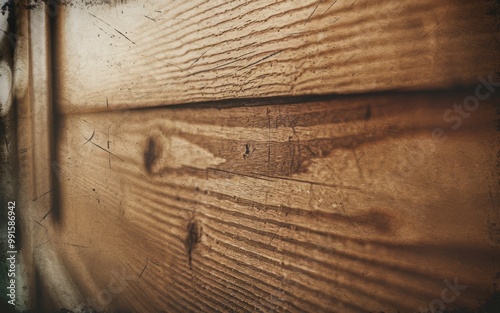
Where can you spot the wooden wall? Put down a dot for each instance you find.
(288, 156)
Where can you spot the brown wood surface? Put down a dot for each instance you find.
(152, 53)
(338, 205)
(204, 156)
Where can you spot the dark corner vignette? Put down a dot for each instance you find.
(193, 240)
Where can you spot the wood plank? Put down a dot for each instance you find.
(151, 53)
(342, 205)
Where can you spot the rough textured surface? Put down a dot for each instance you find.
(339, 205)
(151, 53)
(251, 194)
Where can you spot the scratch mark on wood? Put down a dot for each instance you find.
(119, 32)
(258, 61)
(42, 195)
(315, 8)
(433, 28)
(222, 65)
(199, 58)
(92, 136)
(109, 157)
(107, 151)
(274, 178)
(147, 260)
(358, 166)
(331, 5)
(268, 142)
(46, 215)
(111, 36)
(182, 70)
(350, 57)
(73, 245)
(40, 245)
(274, 235)
(350, 221)
(39, 223)
(154, 262)
(251, 175)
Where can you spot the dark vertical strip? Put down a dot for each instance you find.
(53, 12)
(9, 188)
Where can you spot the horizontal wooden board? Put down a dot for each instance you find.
(151, 53)
(343, 205)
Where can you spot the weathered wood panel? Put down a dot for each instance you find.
(343, 205)
(152, 53)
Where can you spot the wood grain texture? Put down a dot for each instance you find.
(152, 53)
(343, 205)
